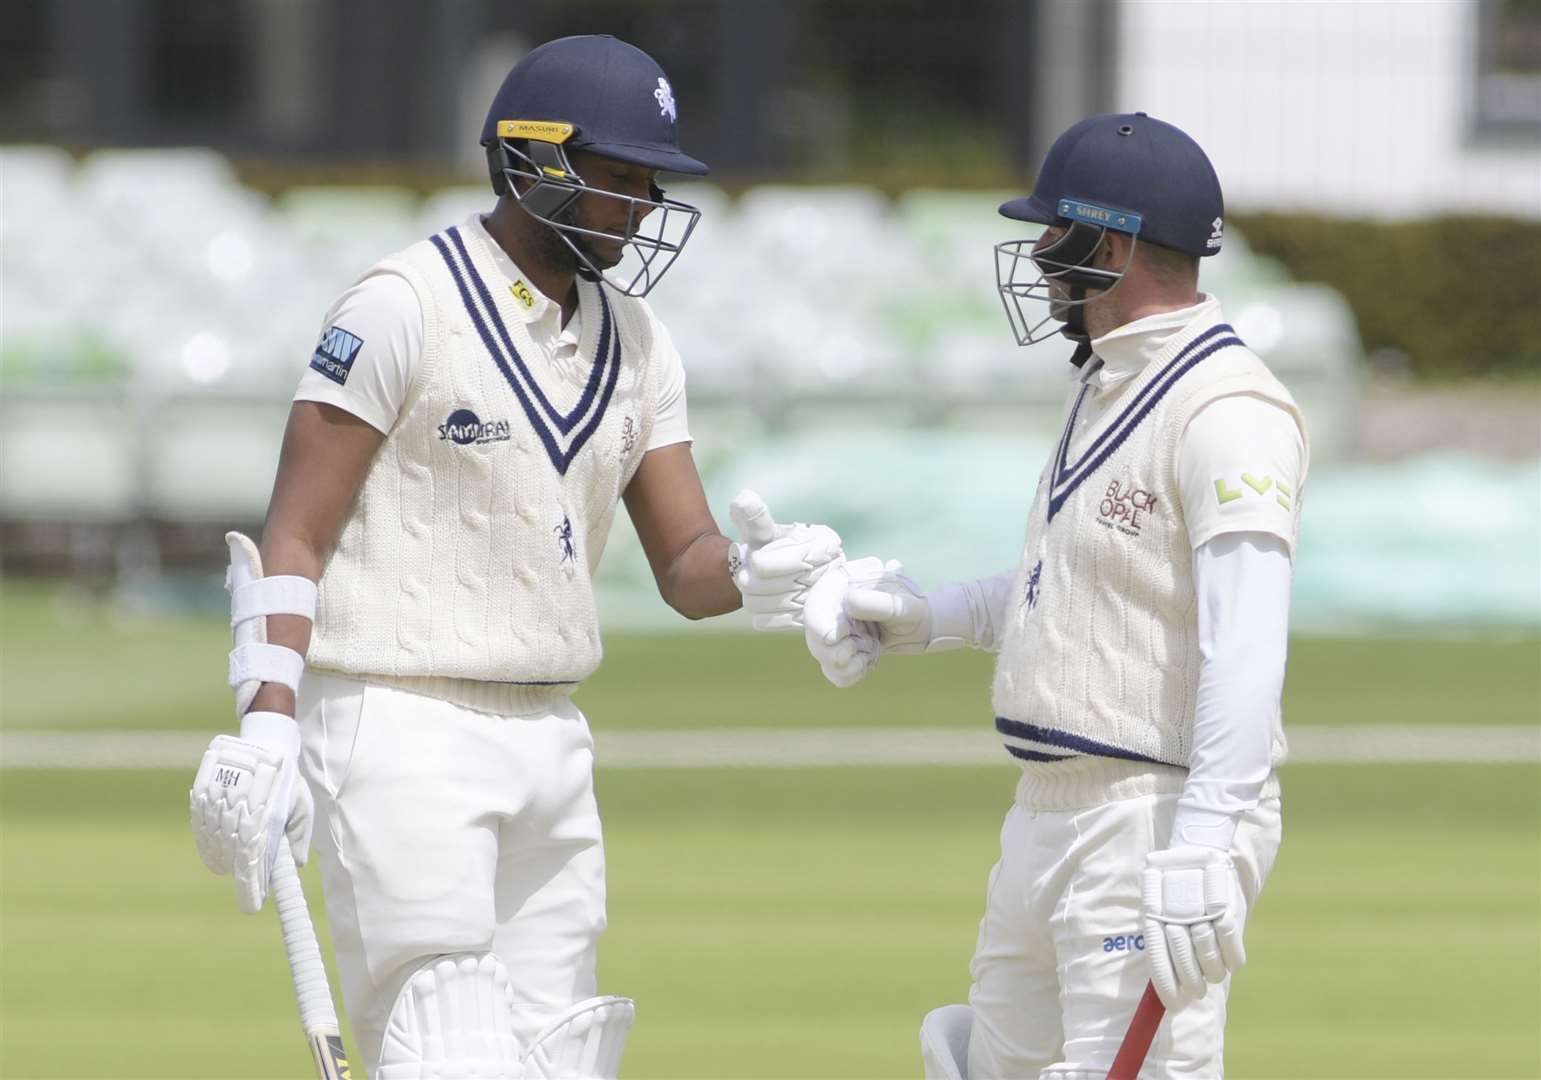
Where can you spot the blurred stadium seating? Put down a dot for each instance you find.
(162, 311)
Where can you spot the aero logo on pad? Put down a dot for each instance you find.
(334, 355)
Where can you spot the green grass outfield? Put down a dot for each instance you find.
(67, 663)
(781, 922)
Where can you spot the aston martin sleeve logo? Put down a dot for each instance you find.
(335, 353)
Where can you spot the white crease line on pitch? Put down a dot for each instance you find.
(791, 747)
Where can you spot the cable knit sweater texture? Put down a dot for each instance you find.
(1100, 654)
(463, 569)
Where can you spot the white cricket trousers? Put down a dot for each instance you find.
(1060, 962)
(441, 829)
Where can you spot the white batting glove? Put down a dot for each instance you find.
(909, 620)
(883, 611)
(775, 565)
(1191, 913)
(247, 797)
(846, 650)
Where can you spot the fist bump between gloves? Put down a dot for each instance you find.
(866, 608)
(774, 566)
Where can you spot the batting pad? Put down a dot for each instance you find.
(453, 1018)
(944, 1035)
(584, 1043)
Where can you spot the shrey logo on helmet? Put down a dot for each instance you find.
(603, 97)
(1126, 173)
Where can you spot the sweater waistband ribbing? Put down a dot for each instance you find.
(1081, 782)
(499, 699)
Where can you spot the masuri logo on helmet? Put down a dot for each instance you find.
(600, 95)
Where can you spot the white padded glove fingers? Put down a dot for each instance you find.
(246, 799)
(804, 549)
(1206, 951)
(845, 650)
(1191, 915)
(850, 660)
(775, 565)
(752, 518)
(896, 608)
(775, 579)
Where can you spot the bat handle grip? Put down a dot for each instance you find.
(1141, 1033)
(317, 1014)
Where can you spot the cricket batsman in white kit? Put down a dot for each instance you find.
(1141, 641)
(421, 609)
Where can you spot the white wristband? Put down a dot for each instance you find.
(962, 613)
(260, 662)
(272, 730)
(952, 620)
(1193, 827)
(286, 594)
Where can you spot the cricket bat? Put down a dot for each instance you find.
(1137, 1040)
(318, 1016)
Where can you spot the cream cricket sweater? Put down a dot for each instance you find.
(1100, 654)
(463, 568)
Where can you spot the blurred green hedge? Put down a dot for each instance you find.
(1460, 296)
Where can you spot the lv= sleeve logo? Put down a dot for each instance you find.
(1225, 493)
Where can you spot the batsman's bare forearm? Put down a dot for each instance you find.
(325, 456)
(698, 585)
(684, 547)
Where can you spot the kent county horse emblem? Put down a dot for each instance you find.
(664, 95)
(1030, 594)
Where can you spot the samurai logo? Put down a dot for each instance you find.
(464, 428)
(665, 98)
(564, 534)
(1030, 595)
(628, 435)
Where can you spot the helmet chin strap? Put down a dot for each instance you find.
(1075, 328)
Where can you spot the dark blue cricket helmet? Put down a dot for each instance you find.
(616, 98)
(597, 94)
(1157, 178)
(1124, 172)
